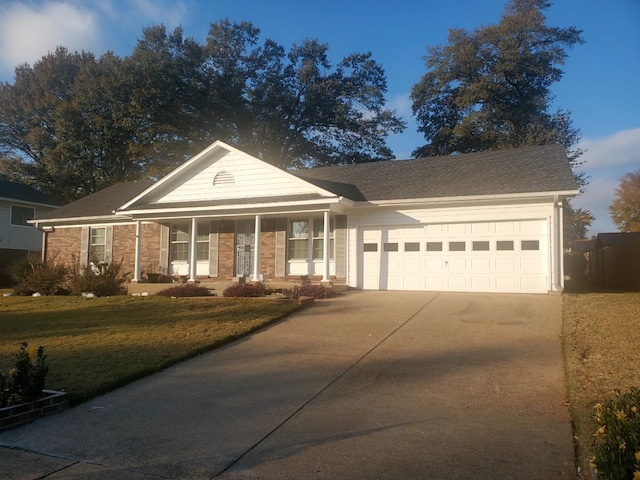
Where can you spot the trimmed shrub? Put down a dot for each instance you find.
(185, 290)
(26, 378)
(315, 291)
(617, 437)
(35, 276)
(100, 278)
(244, 290)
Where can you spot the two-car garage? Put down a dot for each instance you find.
(501, 256)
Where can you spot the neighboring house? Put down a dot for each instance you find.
(485, 222)
(19, 204)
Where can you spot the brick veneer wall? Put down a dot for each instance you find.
(64, 245)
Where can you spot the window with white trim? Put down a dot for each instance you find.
(180, 242)
(318, 238)
(97, 244)
(298, 239)
(203, 242)
(20, 215)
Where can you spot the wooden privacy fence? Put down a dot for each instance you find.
(616, 265)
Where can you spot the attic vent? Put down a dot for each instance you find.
(224, 178)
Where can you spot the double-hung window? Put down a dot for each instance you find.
(203, 242)
(299, 240)
(97, 244)
(180, 242)
(318, 238)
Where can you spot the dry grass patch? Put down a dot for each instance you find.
(601, 333)
(96, 345)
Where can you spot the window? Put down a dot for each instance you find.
(482, 246)
(299, 240)
(97, 244)
(180, 242)
(390, 247)
(412, 247)
(504, 245)
(370, 247)
(20, 215)
(434, 246)
(456, 246)
(203, 242)
(318, 238)
(530, 245)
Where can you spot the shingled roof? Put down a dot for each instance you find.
(24, 193)
(535, 169)
(527, 170)
(101, 203)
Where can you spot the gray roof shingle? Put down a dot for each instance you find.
(101, 203)
(535, 169)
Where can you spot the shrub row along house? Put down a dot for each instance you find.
(485, 222)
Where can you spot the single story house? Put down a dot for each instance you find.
(18, 238)
(482, 222)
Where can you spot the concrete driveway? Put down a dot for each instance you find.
(370, 385)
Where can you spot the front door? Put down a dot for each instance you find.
(245, 245)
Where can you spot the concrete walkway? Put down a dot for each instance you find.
(371, 385)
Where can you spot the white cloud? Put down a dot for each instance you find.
(27, 32)
(402, 105)
(621, 148)
(606, 161)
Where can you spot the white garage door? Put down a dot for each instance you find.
(476, 257)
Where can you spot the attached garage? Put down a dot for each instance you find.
(503, 256)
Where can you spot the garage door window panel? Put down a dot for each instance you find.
(504, 245)
(390, 247)
(434, 246)
(530, 245)
(480, 246)
(412, 246)
(457, 246)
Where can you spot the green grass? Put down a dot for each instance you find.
(601, 335)
(96, 345)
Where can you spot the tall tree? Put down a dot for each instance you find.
(625, 209)
(72, 124)
(491, 88)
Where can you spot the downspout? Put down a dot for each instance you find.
(560, 230)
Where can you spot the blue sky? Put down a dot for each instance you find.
(600, 86)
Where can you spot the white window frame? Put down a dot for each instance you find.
(175, 230)
(95, 245)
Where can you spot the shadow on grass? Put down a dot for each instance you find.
(579, 286)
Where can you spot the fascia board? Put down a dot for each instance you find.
(27, 202)
(235, 208)
(468, 199)
(77, 220)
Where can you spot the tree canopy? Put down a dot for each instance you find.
(490, 89)
(625, 209)
(72, 123)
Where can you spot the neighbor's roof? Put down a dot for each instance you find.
(24, 193)
(528, 170)
(535, 169)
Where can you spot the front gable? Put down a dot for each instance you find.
(223, 173)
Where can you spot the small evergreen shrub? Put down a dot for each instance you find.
(185, 290)
(617, 437)
(35, 276)
(244, 290)
(100, 278)
(26, 379)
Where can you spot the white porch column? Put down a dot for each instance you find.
(193, 250)
(325, 248)
(256, 250)
(136, 261)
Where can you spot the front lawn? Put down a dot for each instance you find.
(96, 345)
(601, 334)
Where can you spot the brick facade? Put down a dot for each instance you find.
(64, 244)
